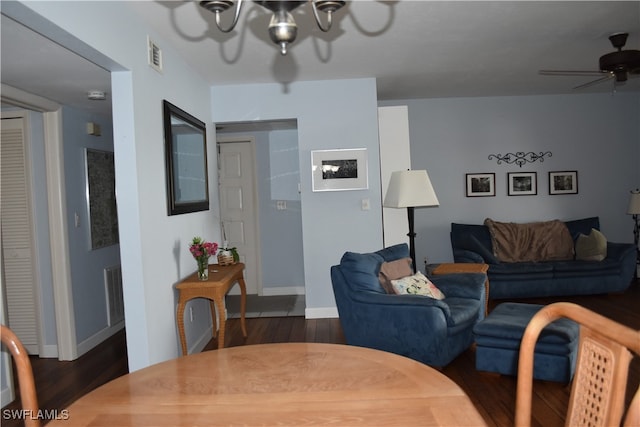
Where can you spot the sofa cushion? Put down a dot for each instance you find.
(484, 251)
(475, 238)
(417, 284)
(535, 241)
(606, 267)
(361, 271)
(392, 253)
(582, 226)
(592, 247)
(528, 268)
(393, 270)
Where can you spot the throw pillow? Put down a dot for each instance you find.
(592, 247)
(417, 284)
(394, 270)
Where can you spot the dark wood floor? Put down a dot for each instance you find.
(61, 383)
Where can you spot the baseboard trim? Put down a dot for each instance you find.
(96, 339)
(283, 290)
(201, 342)
(49, 351)
(321, 313)
(6, 395)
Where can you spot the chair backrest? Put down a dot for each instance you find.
(602, 366)
(28, 395)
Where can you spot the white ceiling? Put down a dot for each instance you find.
(36, 65)
(415, 49)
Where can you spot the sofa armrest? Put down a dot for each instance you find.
(461, 285)
(465, 255)
(619, 251)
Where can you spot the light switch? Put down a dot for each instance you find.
(366, 205)
(281, 205)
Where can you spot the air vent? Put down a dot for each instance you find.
(154, 55)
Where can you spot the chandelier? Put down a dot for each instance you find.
(282, 28)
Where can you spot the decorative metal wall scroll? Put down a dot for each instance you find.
(520, 158)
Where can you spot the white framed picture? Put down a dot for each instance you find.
(522, 183)
(481, 184)
(563, 182)
(339, 170)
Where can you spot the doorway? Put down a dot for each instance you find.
(278, 243)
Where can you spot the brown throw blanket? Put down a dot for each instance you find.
(535, 241)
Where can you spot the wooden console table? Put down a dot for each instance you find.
(463, 267)
(221, 279)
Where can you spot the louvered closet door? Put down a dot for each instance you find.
(17, 235)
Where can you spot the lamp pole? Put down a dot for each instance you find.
(634, 211)
(636, 236)
(412, 236)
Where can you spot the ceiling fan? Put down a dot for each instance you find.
(615, 65)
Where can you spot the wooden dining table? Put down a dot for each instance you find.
(289, 384)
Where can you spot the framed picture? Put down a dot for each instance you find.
(481, 184)
(564, 182)
(101, 198)
(522, 183)
(339, 170)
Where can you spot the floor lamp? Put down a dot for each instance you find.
(410, 189)
(634, 210)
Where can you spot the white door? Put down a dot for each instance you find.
(17, 235)
(238, 206)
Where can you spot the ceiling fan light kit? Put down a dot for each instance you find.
(282, 28)
(615, 65)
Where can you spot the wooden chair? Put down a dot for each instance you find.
(599, 384)
(25, 376)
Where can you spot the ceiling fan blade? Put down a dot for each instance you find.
(570, 73)
(609, 76)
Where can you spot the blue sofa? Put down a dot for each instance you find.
(428, 330)
(472, 243)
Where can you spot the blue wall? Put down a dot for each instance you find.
(281, 237)
(597, 135)
(331, 115)
(154, 247)
(87, 265)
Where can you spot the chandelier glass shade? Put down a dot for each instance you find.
(282, 28)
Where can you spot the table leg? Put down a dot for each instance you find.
(243, 304)
(180, 318)
(212, 306)
(219, 303)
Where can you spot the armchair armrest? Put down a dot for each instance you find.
(462, 285)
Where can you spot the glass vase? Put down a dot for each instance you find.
(203, 269)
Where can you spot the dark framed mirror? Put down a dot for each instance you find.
(186, 161)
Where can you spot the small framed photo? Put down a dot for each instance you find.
(564, 182)
(339, 170)
(481, 184)
(522, 183)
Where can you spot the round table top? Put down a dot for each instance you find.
(283, 384)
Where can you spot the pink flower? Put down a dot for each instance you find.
(202, 250)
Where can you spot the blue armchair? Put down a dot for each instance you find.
(425, 329)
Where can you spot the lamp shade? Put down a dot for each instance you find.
(411, 188)
(634, 203)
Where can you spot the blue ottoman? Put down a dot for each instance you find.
(498, 339)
